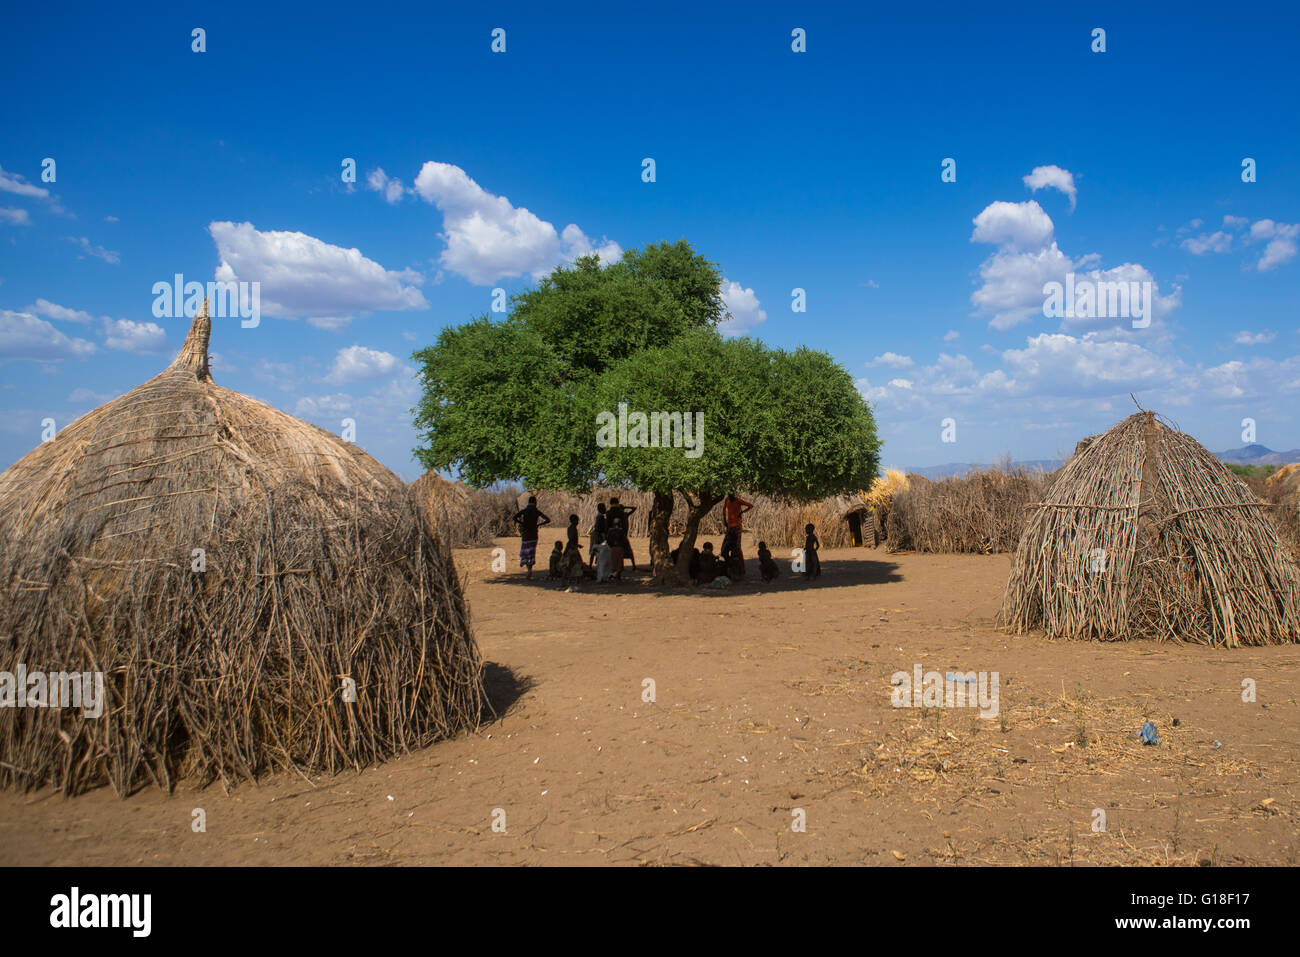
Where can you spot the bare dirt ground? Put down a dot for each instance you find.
(768, 700)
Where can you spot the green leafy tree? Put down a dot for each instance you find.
(513, 400)
(520, 399)
(791, 425)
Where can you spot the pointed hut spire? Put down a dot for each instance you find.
(193, 356)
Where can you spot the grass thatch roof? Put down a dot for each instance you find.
(1146, 534)
(461, 517)
(226, 567)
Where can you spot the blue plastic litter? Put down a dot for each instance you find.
(1148, 734)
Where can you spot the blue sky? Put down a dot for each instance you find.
(817, 170)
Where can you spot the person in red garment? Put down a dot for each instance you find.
(733, 507)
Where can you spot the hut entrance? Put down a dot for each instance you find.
(855, 528)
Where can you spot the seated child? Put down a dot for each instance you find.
(572, 563)
(812, 566)
(708, 564)
(604, 560)
(554, 571)
(734, 564)
(617, 539)
(766, 564)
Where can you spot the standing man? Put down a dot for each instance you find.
(529, 518)
(617, 516)
(733, 507)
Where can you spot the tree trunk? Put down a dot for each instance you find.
(660, 513)
(693, 518)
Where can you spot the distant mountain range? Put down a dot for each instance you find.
(1246, 455)
(1258, 455)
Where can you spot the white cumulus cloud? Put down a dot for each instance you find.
(18, 185)
(303, 276)
(359, 364)
(1012, 283)
(128, 336)
(1248, 338)
(489, 239)
(1215, 242)
(1012, 280)
(1017, 225)
(93, 249)
(24, 336)
(746, 311)
(52, 310)
(1053, 177)
(893, 360)
(379, 181)
(1280, 239)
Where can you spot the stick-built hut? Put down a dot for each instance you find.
(257, 594)
(1145, 534)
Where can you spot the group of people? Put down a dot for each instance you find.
(608, 536)
(610, 547)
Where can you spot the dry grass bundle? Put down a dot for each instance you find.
(981, 512)
(884, 489)
(460, 516)
(1288, 477)
(226, 568)
(879, 500)
(1146, 534)
(1282, 491)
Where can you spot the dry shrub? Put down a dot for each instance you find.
(315, 567)
(1146, 534)
(982, 512)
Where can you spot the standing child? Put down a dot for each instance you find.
(812, 566)
(617, 541)
(598, 531)
(571, 562)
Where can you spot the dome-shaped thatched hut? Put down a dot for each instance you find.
(256, 593)
(459, 519)
(1145, 534)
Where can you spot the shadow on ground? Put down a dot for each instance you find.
(835, 574)
(502, 687)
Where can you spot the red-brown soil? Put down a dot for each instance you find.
(768, 699)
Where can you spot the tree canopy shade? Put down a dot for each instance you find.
(522, 399)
